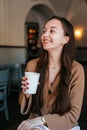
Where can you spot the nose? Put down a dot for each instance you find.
(45, 34)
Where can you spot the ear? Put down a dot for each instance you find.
(66, 39)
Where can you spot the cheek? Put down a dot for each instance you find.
(58, 39)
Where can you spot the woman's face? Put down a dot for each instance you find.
(53, 36)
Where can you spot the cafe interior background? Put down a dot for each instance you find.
(21, 23)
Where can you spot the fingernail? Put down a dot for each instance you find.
(26, 78)
(27, 83)
(27, 88)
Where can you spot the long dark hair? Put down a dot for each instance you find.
(62, 103)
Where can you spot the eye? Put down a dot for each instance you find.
(52, 31)
(44, 30)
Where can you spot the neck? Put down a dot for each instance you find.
(55, 56)
(54, 61)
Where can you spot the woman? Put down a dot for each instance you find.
(58, 101)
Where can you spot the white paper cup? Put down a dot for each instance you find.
(33, 80)
(75, 128)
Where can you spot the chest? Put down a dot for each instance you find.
(50, 88)
(52, 76)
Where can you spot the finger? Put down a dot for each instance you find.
(24, 78)
(24, 87)
(21, 125)
(27, 126)
(24, 126)
(24, 84)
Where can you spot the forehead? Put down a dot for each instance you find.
(53, 23)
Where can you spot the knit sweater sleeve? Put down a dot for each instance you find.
(25, 103)
(70, 119)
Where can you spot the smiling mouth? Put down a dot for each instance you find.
(46, 41)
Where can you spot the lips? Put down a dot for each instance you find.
(46, 41)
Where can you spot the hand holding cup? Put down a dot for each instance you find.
(30, 82)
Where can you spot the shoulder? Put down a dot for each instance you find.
(77, 67)
(77, 74)
(34, 61)
(31, 65)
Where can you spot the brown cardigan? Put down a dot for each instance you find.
(69, 119)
